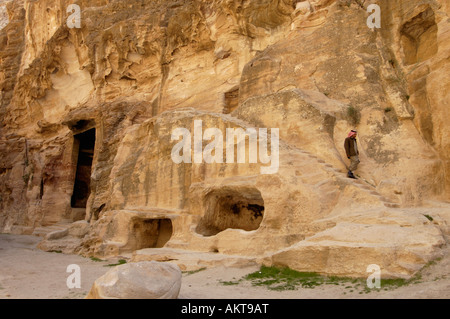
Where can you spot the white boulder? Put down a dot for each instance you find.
(140, 280)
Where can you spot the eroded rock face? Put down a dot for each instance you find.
(88, 116)
(403, 241)
(420, 50)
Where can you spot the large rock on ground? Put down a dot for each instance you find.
(141, 280)
(400, 243)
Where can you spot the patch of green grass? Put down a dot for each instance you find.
(120, 262)
(284, 278)
(230, 283)
(390, 284)
(395, 283)
(275, 278)
(428, 217)
(353, 115)
(288, 279)
(416, 279)
(194, 271)
(96, 259)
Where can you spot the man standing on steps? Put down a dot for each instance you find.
(351, 148)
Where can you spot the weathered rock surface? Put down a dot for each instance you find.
(87, 117)
(138, 280)
(403, 242)
(189, 260)
(3, 14)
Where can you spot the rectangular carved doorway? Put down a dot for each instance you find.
(84, 144)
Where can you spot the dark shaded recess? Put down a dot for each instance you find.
(237, 209)
(231, 100)
(419, 37)
(81, 189)
(150, 233)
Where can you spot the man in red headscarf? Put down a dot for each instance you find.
(351, 149)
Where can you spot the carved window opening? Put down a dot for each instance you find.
(228, 208)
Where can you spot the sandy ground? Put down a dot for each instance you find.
(29, 273)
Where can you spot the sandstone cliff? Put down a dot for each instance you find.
(88, 113)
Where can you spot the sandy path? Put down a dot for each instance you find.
(29, 273)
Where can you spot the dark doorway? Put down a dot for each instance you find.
(84, 143)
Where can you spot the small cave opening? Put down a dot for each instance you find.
(84, 144)
(228, 208)
(150, 233)
(419, 37)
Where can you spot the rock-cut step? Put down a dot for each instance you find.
(44, 231)
(316, 178)
(189, 260)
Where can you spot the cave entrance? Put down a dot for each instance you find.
(419, 37)
(230, 208)
(84, 144)
(150, 233)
